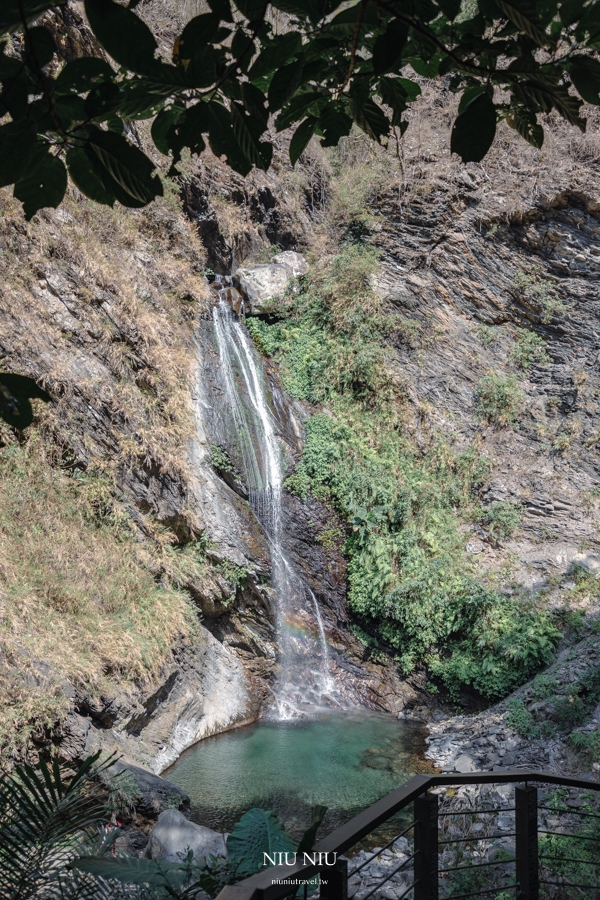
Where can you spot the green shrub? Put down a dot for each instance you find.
(408, 579)
(539, 290)
(519, 718)
(498, 399)
(529, 348)
(587, 745)
(501, 517)
(220, 459)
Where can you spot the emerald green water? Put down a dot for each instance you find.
(343, 761)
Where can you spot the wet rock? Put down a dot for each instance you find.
(173, 835)
(261, 286)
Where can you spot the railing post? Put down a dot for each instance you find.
(334, 880)
(526, 821)
(426, 847)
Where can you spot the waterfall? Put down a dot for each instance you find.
(305, 682)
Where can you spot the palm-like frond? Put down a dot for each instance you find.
(44, 820)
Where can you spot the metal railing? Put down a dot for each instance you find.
(428, 880)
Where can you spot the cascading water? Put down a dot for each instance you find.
(305, 682)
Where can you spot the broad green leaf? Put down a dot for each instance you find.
(369, 117)
(301, 137)
(525, 123)
(187, 129)
(317, 814)
(15, 394)
(80, 75)
(83, 174)
(247, 131)
(334, 123)
(450, 8)
(393, 95)
(122, 34)
(198, 32)
(285, 83)
(43, 183)
(70, 108)
(471, 93)
(545, 95)
(474, 129)
(222, 8)
(161, 126)
(282, 49)
(255, 102)
(18, 143)
(258, 832)
(39, 46)
(524, 15)
(138, 102)
(296, 108)
(585, 75)
(222, 139)
(388, 47)
(411, 87)
(123, 169)
(252, 9)
(12, 11)
(428, 69)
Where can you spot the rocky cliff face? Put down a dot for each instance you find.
(110, 311)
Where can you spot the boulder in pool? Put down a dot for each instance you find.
(173, 835)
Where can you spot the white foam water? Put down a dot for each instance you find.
(305, 683)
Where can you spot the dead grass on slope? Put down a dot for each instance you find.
(78, 591)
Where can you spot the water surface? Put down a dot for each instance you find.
(345, 761)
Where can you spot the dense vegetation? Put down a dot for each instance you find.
(410, 585)
(55, 840)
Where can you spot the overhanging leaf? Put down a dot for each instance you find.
(525, 123)
(301, 137)
(369, 117)
(43, 183)
(123, 169)
(16, 391)
(524, 15)
(474, 129)
(18, 144)
(80, 75)
(285, 83)
(585, 75)
(82, 172)
(122, 34)
(388, 46)
(247, 131)
(12, 10)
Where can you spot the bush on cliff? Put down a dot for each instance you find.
(409, 580)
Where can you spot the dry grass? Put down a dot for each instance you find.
(99, 305)
(77, 592)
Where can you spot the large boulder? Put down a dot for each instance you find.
(261, 286)
(155, 794)
(173, 835)
(293, 261)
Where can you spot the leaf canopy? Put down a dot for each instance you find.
(232, 77)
